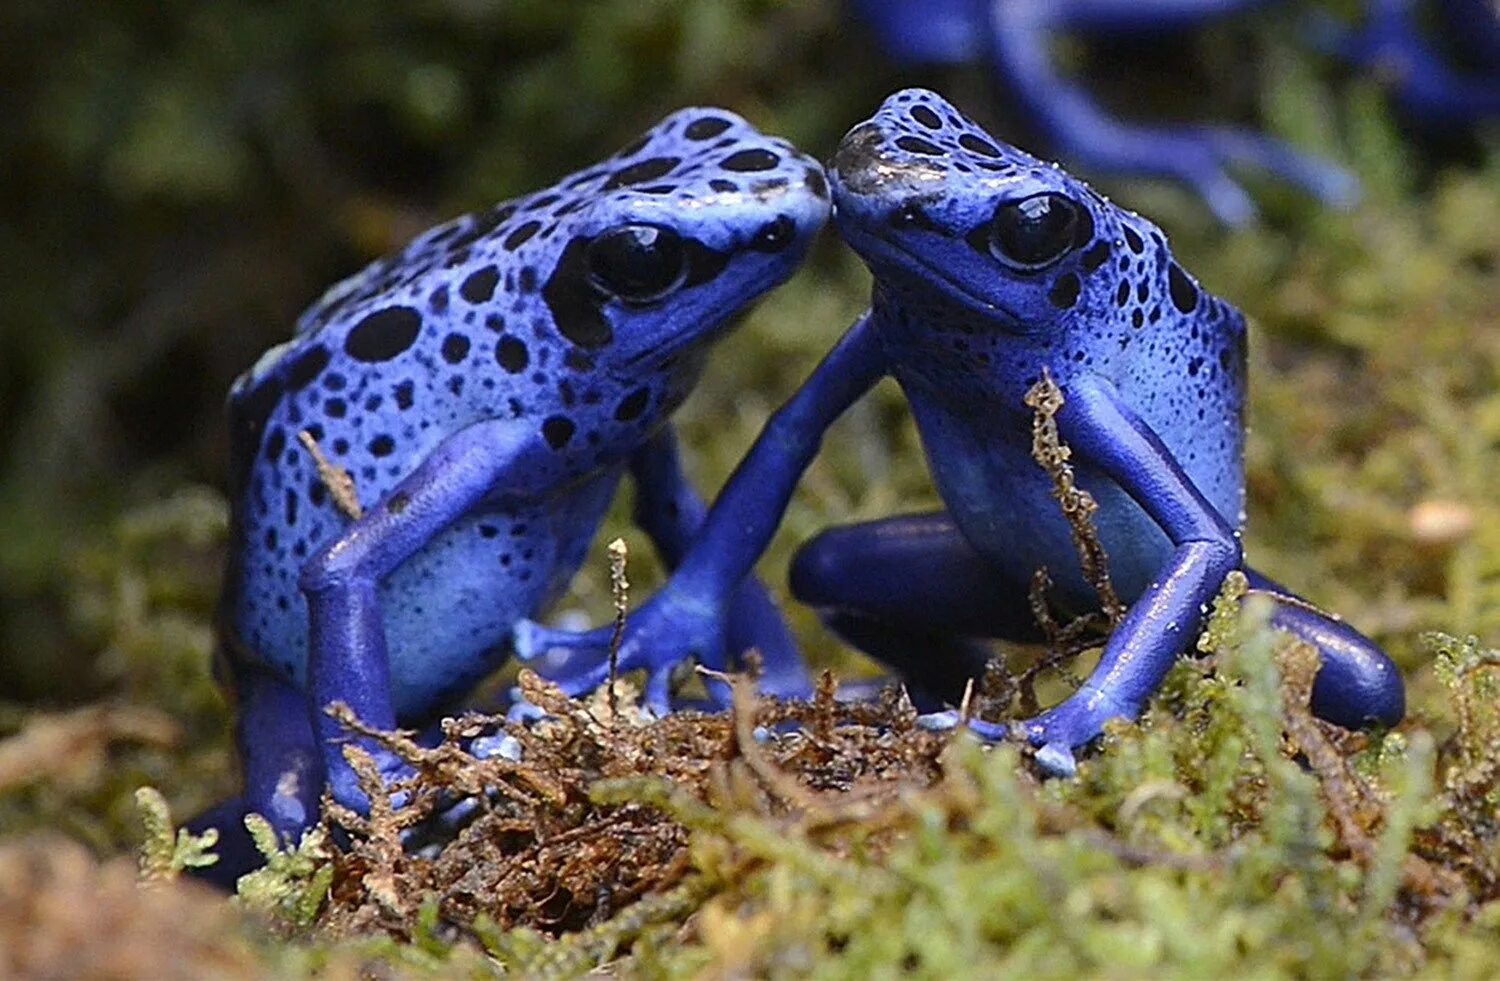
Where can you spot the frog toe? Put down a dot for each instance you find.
(952, 719)
(940, 721)
(501, 745)
(531, 640)
(1056, 760)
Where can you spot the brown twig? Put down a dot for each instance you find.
(1078, 506)
(1350, 803)
(619, 588)
(340, 482)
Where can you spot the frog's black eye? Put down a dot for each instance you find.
(1034, 232)
(638, 263)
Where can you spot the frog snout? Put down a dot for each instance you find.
(857, 164)
(794, 213)
(868, 170)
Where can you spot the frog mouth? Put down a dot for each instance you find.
(711, 324)
(655, 357)
(940, 278)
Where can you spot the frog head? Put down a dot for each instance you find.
(971, 231)
(651, 252)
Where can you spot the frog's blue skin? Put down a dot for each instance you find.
(1015, 36)
(1430, 92)
(487, 388)
(1152, 369)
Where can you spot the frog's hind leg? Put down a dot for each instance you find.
(283, 773)
(1021, 32)
(911, 592)
(1358, 684)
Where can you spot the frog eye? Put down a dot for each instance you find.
(1034, 232)
(638, 263)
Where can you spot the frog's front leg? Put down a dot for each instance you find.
(1106, 433)
(347, 658)
(1021, 32)
(671, 512)
(687, 617)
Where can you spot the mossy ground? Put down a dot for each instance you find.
(184, 223)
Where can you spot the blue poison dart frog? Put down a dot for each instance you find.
(485, 389)
(991, 268)
(1015, 37)
(1432, 93)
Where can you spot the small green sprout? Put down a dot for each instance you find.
(168, 850)
(295, 880)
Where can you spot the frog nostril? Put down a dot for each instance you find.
(774, 235)
(911, 216)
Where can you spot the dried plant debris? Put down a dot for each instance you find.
(1229, 832)
(72, 749)
(1045, 399)
(548, 850)
(1466, 836)
(340, 483)
(784, 835)
(787, 834)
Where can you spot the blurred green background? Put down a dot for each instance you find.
(181, 179)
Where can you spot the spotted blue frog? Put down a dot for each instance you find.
(991, 268)
(485, 389)
(1015, 37)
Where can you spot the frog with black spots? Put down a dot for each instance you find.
(992, 270)
(485, 389)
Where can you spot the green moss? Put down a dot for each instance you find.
(1169, 855)
(285, 146)
(168, 851)
(293, 883)
(141, 594)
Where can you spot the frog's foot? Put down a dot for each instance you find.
(1070, 725)
(348, 790)
(1055, 758)
(1390, 46)
(666, 632)
(1056, 734)
(1326, 181)
(952, 719)
(531, 640)
(588, 666)
(1081, 131)
(669, 510)
(1203, 157)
